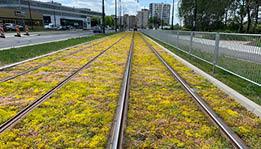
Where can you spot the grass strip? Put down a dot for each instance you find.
(19, 54)
(250, 90)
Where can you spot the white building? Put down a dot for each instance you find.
(161, 11)
(46, 12)
(143, 18)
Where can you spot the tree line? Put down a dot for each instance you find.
(221, 15)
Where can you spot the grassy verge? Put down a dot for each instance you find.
(253, 92)
(19, 54)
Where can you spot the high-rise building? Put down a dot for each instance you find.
(127, 21)
(161, 11)
(143, 18)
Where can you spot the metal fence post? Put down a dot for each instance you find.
(191, 41)
(216, 52)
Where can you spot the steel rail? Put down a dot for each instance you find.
(47, 63)
(229, 133)
(9, 123)
(117, 134)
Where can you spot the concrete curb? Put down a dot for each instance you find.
(244, 101)
(48, 54)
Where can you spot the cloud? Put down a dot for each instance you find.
(128, 6)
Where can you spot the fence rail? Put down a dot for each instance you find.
(239, 54)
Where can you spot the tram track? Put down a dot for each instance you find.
(118, 128)
(117, 134)
(12, 121)
(48, 62)
(236, 141)
(116, 138)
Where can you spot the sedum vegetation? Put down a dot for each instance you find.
(31, 64)
(161, 114)
(80, 114)
(243, 122)
(19, 54)
(18, 93)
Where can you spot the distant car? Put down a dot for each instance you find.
(62, 28)
(97, 29)
(11, 27)
(50, 27)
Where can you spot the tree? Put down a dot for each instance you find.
(257, 4)
(95, 21)
(154, 22)
(109, 21)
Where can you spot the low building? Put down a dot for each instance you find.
(143, 18)
(38, 14)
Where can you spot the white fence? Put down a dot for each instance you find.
(239, 54)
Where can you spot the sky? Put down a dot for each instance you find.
(128, 6)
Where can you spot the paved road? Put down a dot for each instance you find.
(236, 49)
(39, 37)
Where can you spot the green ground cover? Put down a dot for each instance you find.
(243, 122)
(80, 114)
(21, 91)
(250, 90)
(161, 114)
(19, 54)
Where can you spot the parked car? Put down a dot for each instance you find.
(62, 28)
(97, 29)
(11, 27)
(50, 27)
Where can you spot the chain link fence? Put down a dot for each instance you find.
(239, 54)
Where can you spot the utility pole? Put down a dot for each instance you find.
(142, 19)
(30, 12)
(172, 21)
(195, 15)
(115, 20)
(120, 15)
(162, 6)
(54, 13)
(103, 17)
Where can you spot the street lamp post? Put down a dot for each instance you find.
(120, 15)
(172, 21)
(30, 13)
(162, 6)
(115, 21)
(103, 17)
